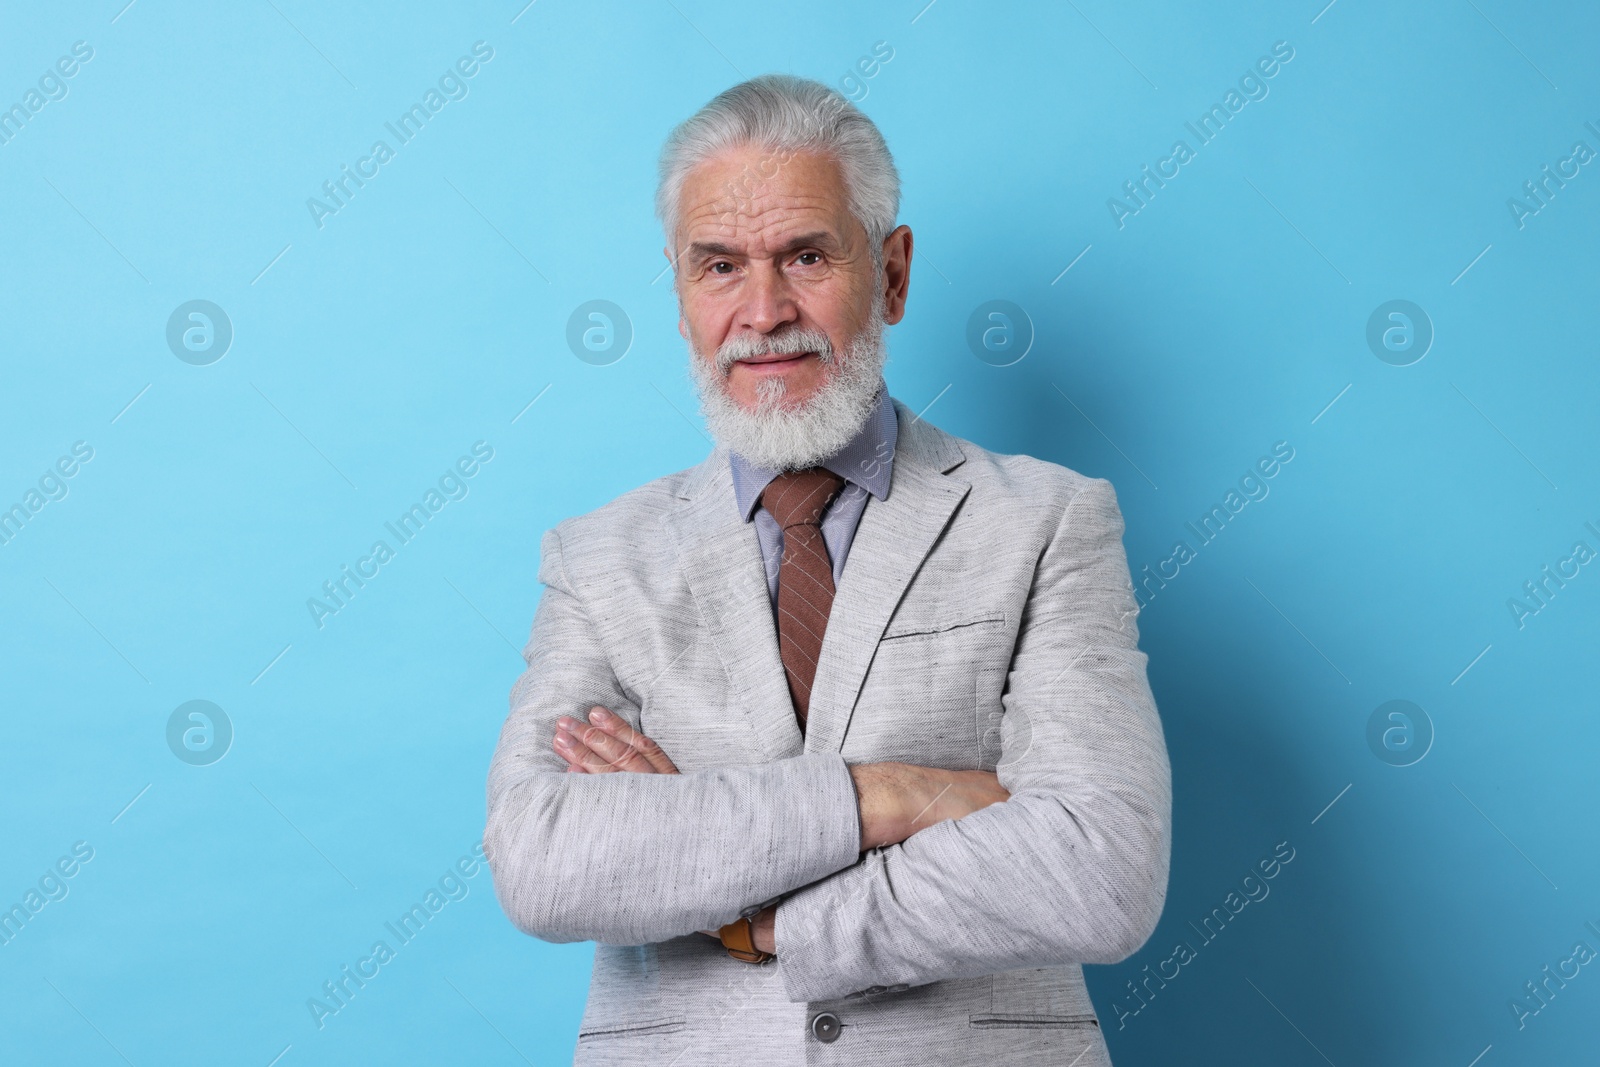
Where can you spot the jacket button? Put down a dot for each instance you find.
(825, 1027)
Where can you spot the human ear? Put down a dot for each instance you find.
(896, 273)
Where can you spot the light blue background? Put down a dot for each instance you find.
(427, 314)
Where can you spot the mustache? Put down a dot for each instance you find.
(789, 343)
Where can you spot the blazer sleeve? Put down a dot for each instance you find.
(1073, 867)
(632, 859)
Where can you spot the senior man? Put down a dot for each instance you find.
(839, 743)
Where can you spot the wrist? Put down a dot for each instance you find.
(883, 793)
(764, 929)
(751, 937)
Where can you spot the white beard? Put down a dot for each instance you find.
(781, 438)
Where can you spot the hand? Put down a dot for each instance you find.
(898, 799)
(606, 744)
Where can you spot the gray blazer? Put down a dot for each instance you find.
(985, 619)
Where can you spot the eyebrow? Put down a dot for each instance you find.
(818, 238)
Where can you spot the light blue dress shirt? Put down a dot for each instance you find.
(864, 463)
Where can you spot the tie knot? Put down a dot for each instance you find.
(800, 497)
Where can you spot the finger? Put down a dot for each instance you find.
(616, 726)
(635, 745)
(653, 754)
(621, 755)
(574, 768)
(581, 756)
(599, 752)
(571, 750)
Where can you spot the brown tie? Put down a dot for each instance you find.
(797, 500)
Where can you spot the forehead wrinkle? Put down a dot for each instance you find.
(759, 205)
(757, 216)
(776, 221)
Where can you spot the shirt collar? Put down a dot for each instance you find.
(865, 460)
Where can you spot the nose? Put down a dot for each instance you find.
(768, 301)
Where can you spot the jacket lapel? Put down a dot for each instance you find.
(721, 558)
(895, 536)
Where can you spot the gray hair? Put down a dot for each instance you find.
(785, 115)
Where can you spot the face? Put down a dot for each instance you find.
(775, 277)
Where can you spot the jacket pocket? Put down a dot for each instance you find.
(932, 693)
(999, 1021)
(640, 1029)
(915, 627)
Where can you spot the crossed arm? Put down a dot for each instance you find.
(878, 887)
(895, 800)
